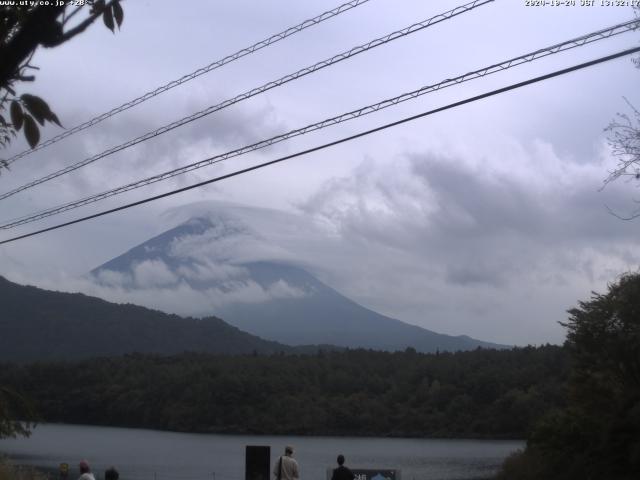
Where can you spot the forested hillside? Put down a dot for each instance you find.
(482, 393)
(38, 324)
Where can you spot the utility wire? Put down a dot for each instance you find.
(258, 90)
(529, 57)
(190, 76)
(336, 142)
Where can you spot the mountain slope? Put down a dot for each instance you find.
(274, 299)
(39, 324)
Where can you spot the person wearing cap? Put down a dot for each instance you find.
(286, 468)
(342, 472)
(85, 471)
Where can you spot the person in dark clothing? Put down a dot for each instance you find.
(111, 474)
(342, 472)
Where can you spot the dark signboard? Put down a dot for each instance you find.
(257, 463)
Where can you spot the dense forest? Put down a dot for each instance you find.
(481, 393)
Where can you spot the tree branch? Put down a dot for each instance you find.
(633, 216)
(82, 26)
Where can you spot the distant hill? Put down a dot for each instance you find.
(274, 299)
(38, 324)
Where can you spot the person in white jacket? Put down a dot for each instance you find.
(85, 471)
(286, 468)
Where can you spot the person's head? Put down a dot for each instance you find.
(84, 466)
(111, 474)
(340, 459)
(288, 450)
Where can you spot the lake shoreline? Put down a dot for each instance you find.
(229, 432)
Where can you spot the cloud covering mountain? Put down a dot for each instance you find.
(216, 264)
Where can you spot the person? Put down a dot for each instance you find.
(85, 471)
(111, 474)
(286, 468)
(342, 472)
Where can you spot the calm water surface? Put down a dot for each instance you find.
(154, 455)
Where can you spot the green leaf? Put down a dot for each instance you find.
(16, 115)
(31, 131)
(39, 109)
(107, 17)
(118, 13)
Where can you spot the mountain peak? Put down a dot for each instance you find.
(215, 264)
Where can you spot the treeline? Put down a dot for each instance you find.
(481, 393)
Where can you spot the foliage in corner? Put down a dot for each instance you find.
(23, 28)
(624, 140)
(598, 434)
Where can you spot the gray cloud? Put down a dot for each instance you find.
(172, 294)
(468, 240)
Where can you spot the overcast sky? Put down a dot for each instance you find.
(484, 220)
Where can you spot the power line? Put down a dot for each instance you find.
(336, 142)
(498, 67)
(190, 76)
(256, 91)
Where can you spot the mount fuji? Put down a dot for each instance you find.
(217, 265)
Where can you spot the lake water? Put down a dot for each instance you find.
(154, 455)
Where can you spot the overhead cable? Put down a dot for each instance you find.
(190, 76)
(258, 90)
(497, 67)
(557, 73)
